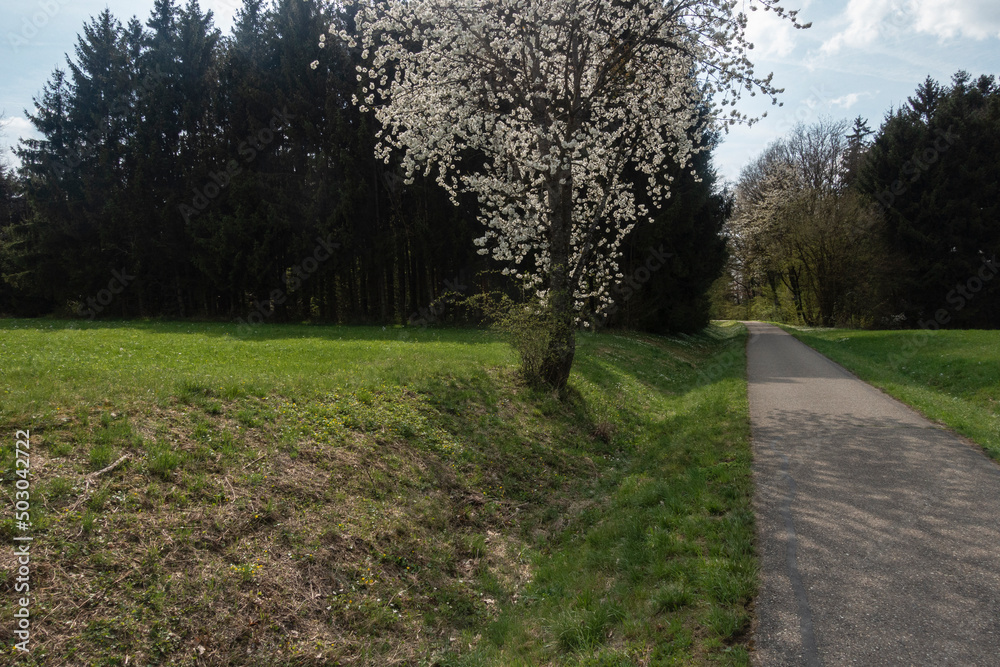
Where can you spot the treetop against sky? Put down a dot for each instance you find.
(861, 57)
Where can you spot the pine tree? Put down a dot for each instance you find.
(100, 103)
(934, 170)
(42, 254)
(925, 100)
(11, 212)
(857, 145)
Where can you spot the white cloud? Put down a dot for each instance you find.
(867, 20)
(847, 101)
(16, 126)
(770, 35)
(12, 130)
(946, 19)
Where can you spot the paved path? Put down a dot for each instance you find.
(879, 532)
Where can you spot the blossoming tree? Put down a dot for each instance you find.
(537, 107)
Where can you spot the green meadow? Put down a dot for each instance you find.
(310, 495)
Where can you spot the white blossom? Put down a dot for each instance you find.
(557, 98)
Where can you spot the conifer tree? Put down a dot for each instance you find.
(933, 170)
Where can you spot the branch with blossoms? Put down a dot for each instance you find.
(556, 98)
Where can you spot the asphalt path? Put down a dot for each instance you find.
(879, 531)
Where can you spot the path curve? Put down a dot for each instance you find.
(879, 532)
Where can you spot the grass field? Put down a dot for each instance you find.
(361, 496)
(952, 377)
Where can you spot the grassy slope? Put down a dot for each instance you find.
(314, 495)
(951, 376)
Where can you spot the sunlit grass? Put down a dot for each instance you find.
(52, 363)
(375, 496)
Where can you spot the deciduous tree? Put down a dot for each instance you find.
(539, 106)
(800, 226)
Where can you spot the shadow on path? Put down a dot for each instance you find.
(879, 532)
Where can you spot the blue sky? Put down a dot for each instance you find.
(36, 35)
(861, 57)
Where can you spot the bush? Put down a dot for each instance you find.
(529, 326)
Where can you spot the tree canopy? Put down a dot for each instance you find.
(842, 225)
(541, 108)
(212, 169)
(934, 172)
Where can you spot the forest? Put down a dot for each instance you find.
(840, 225)
(417, 332)
(183, 173)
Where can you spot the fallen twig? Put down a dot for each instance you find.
(87, 479)
(110, 467)
(254, 461)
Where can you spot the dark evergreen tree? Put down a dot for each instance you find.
(925, 100)
(101, 91)
(11, 217)
(41, 257)
(858, 143)
(670, 264)
(933, 168)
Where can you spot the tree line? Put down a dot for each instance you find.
(182, 173)
(839, 225)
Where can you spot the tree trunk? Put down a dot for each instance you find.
(562, 342)
(772, 281)
(796, 287)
